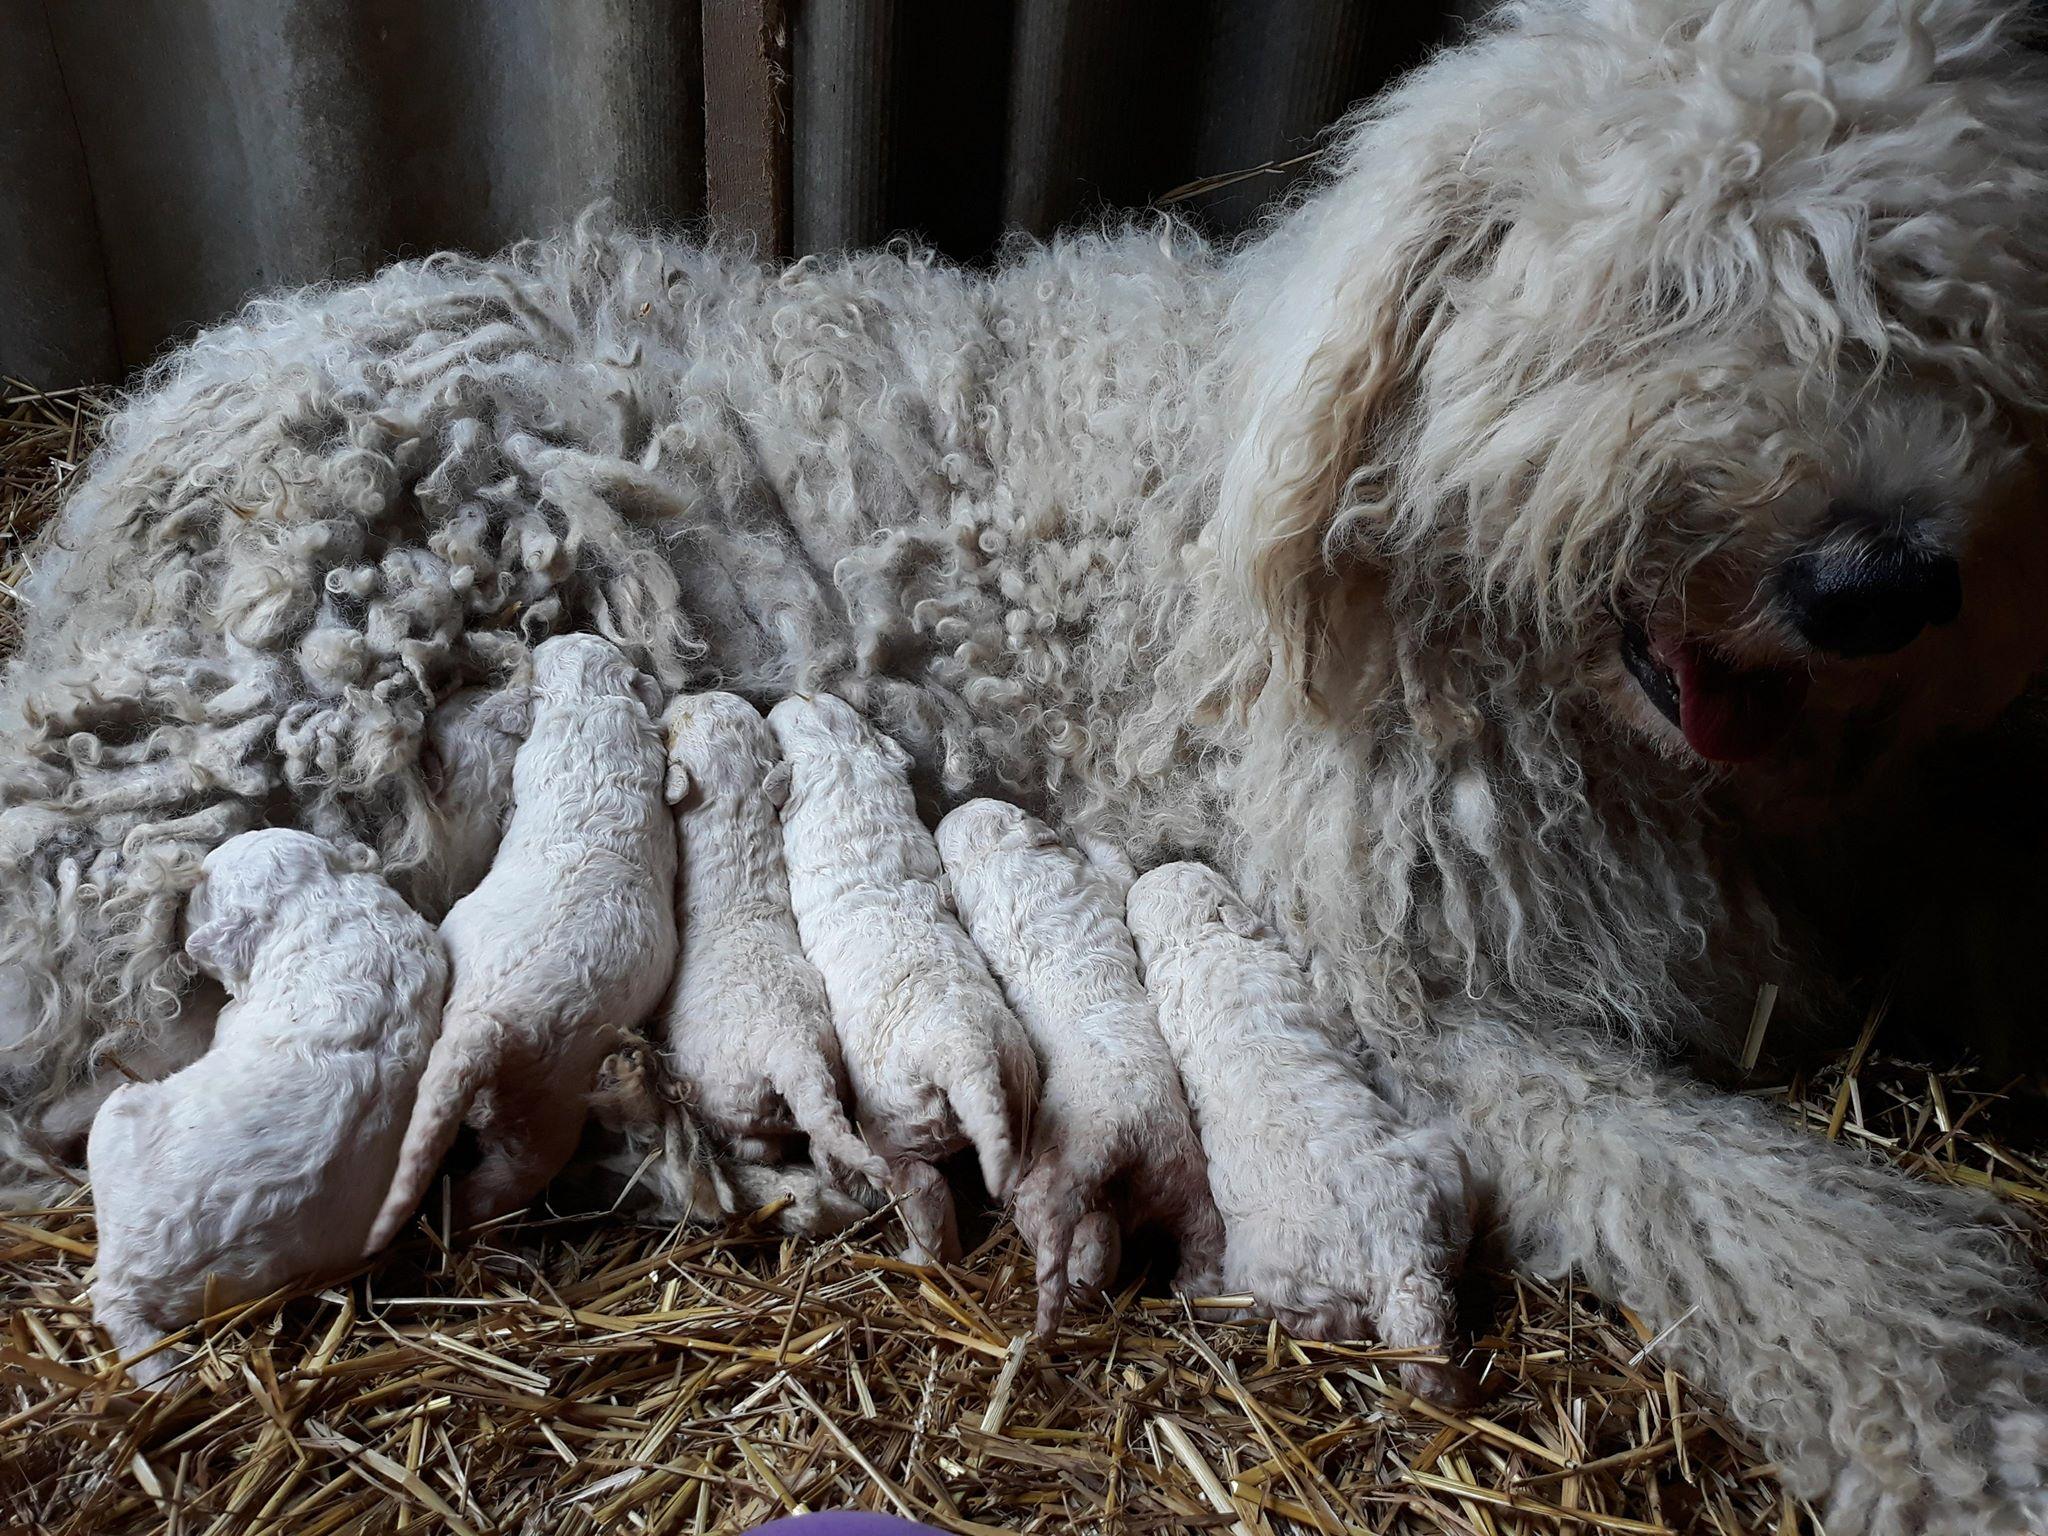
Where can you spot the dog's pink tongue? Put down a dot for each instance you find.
(1730, 714)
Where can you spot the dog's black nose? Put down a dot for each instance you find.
(1867, 588)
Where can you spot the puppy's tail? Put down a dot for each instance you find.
(1868, 1327)
(457, 1069)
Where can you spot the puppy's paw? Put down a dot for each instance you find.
(625, 1095)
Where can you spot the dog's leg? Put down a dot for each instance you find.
(1863, 1325)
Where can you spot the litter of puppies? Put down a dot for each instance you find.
(822, 958)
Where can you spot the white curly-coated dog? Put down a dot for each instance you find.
(1342, 1218)
(564, 947)
(262, 1162)
(749, 1026)
(1112, 1146)
(936, 1058)
(1639, 389)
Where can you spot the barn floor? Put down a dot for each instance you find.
(578, 1374)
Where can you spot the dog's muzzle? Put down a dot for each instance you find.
(1727, 712)
(1868, 586)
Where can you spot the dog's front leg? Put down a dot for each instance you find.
(1863, 1325)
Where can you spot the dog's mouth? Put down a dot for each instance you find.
(1728, 713)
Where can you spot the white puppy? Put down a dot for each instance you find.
(749, 1024)
(472, 738)
(1341, 1218)
(1113, 1148)
(936, 1057)
(262, 1161)
(568, 941)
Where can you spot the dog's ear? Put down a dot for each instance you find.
(776, 785)
(1240, 919)
(893, 750)
(1331, 337)
(1027, 832)
(509, 710)
(649, 692)
(224, 945)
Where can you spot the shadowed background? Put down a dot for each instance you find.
(162, 159)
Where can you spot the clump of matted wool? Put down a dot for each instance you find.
(589, 1374)
(584, 1373)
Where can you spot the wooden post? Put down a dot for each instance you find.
(746, 121)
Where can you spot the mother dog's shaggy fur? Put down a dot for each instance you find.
(1327, 560)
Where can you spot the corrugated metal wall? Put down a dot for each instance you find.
(160, 159)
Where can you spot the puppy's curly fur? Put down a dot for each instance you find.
(1310, 558)
(1342, 1219)
(1112, 1146)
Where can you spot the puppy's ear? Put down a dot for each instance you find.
(776, 785)
(650, 694)
(893, 750)
(1029, 832)
(224, 946)
(510, 710)
(1331, 338)
(358, 858)
(679, 783)
(1240, 919)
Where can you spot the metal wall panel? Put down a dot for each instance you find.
(165, 158)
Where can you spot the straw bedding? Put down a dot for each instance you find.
(581, 1373)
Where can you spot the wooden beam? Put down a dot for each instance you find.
(746, 121)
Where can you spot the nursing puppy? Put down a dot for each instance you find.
(1113, 1148)
(1342, 1219)
(471, 740)
(936, 1058)
(568, 941)
(748, 1024)
(262, 1162)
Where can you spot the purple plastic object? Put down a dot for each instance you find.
(845, 1522)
